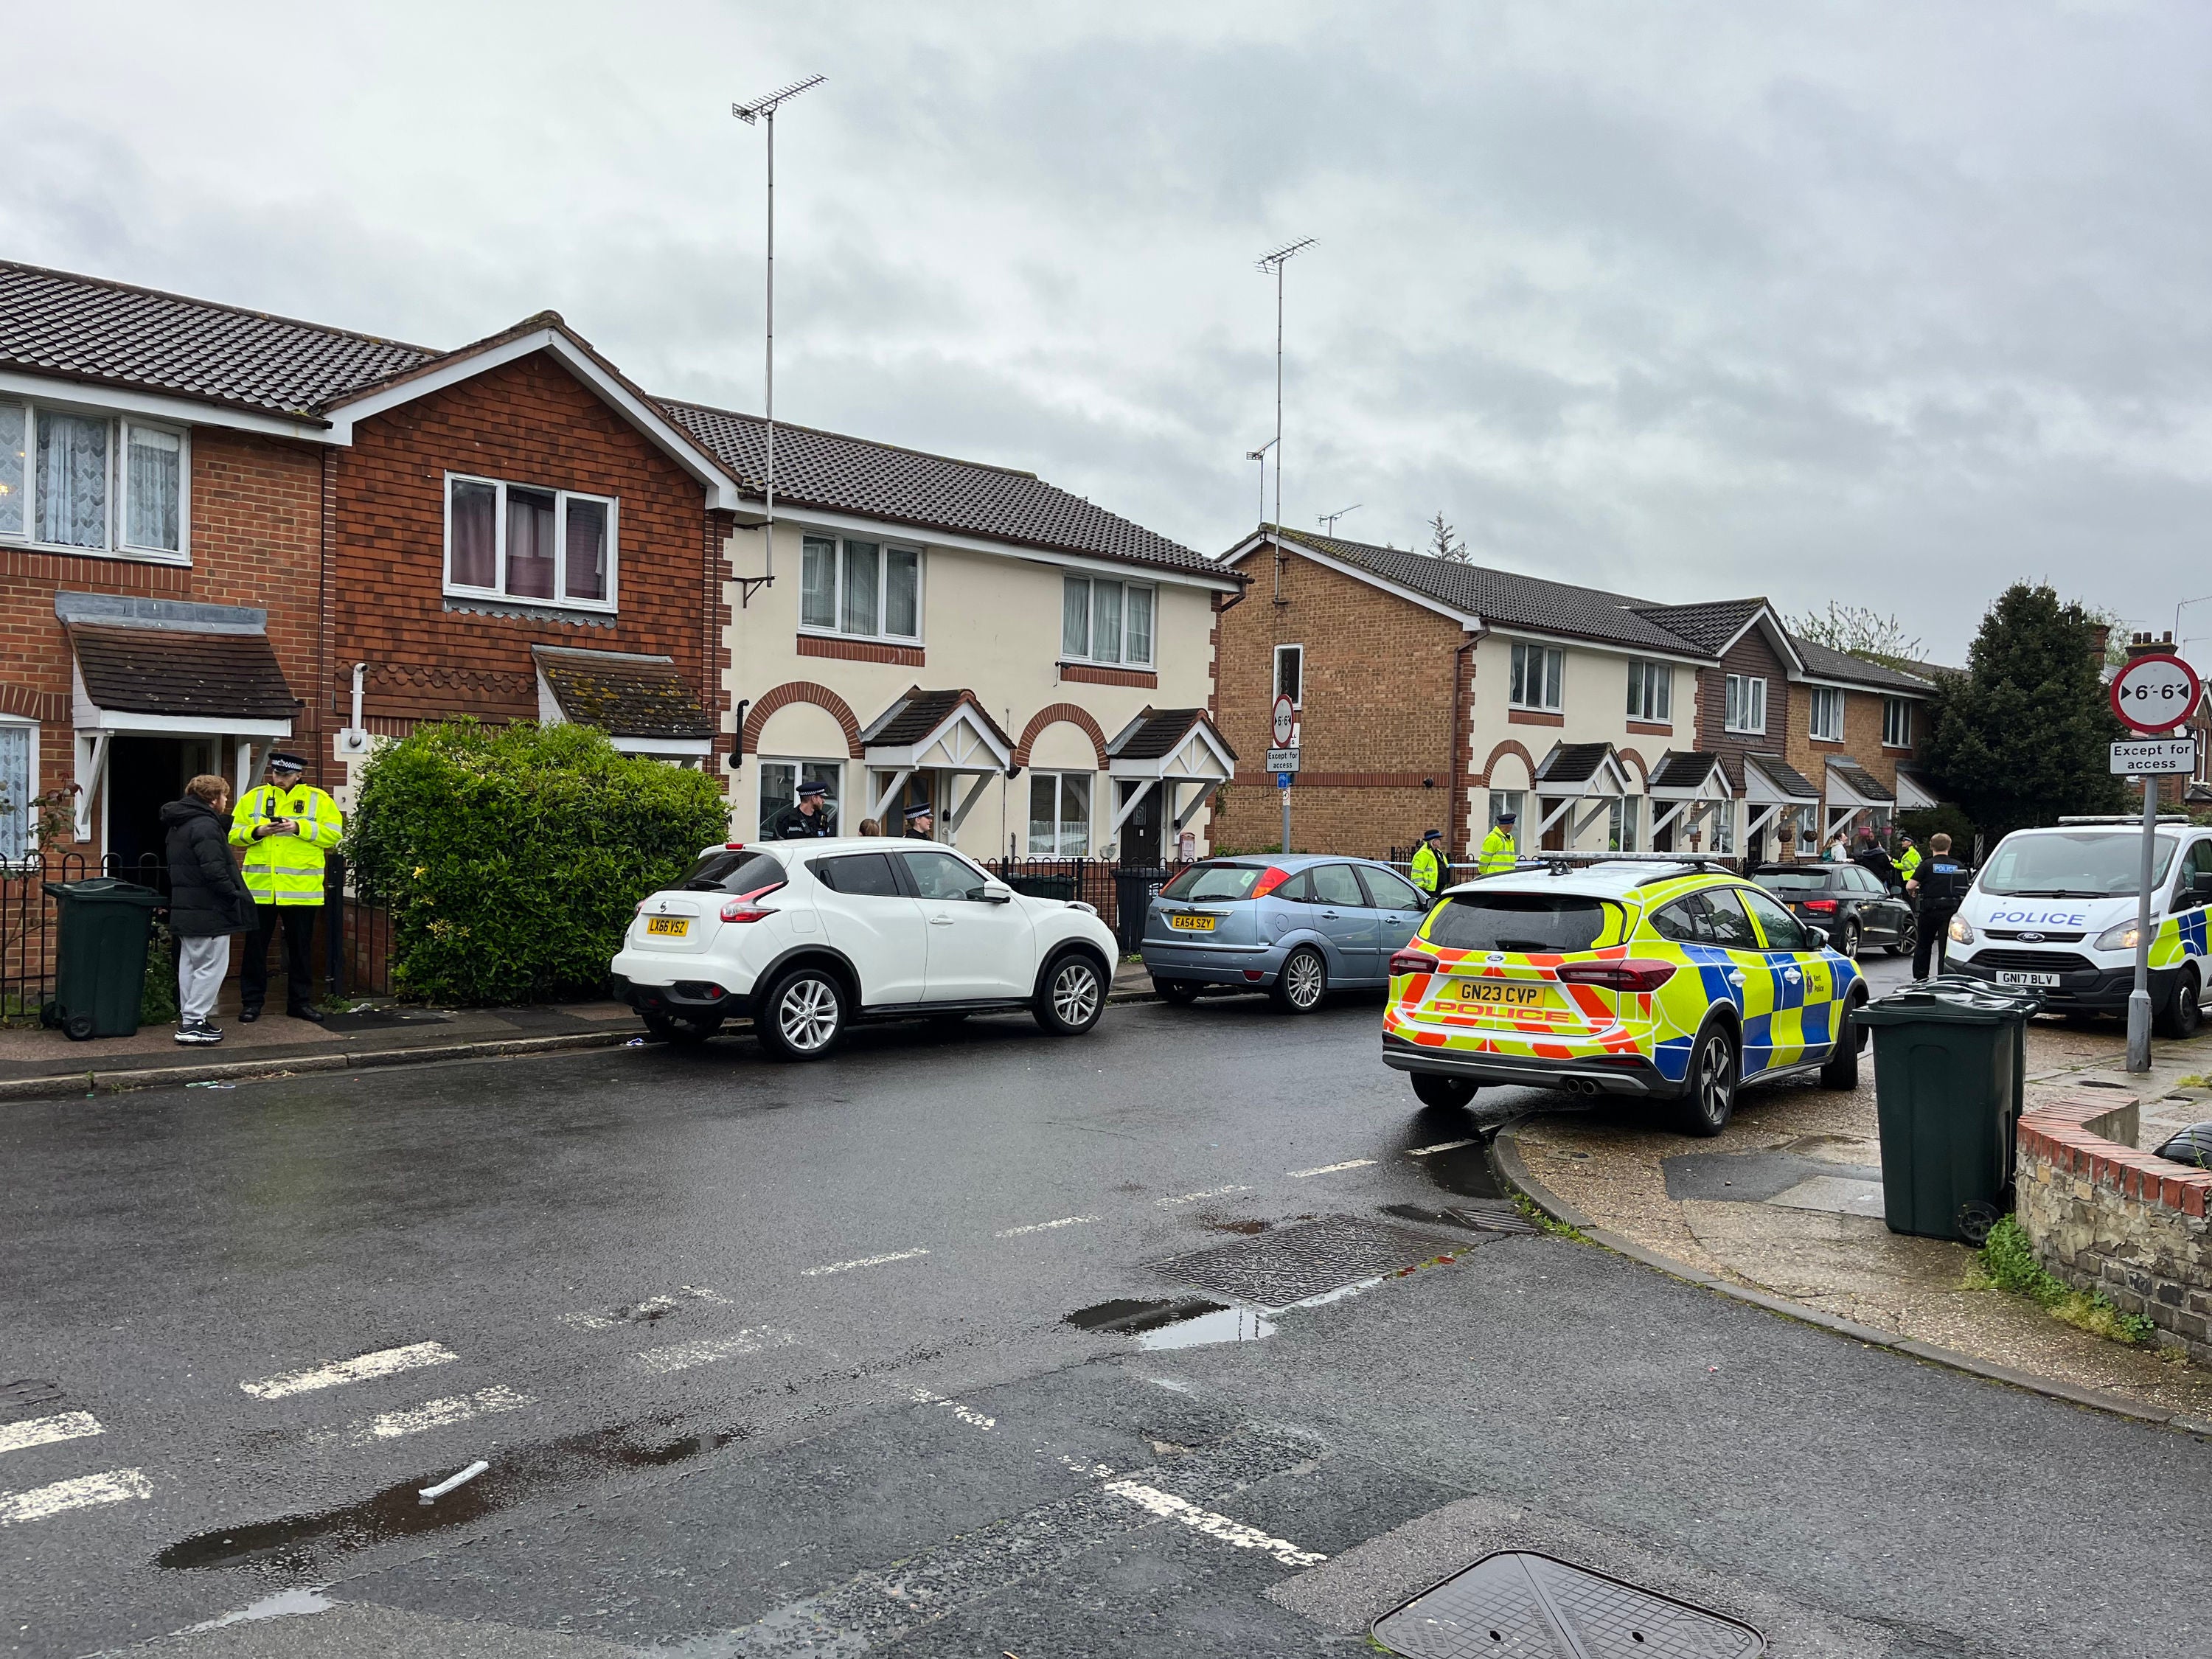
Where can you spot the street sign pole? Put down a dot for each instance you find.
(2155, 692)
(2139, 998)
(1286, 813)
(1283, 758)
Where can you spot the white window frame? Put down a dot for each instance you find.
(1645, 678)
(118, 484)
(1551, 686)
(1829, 697)
(800, 765)
(1060, 814)
(1735, 715)
(1088, 656)
(498, 594)
(1515, 801)
(1299, 696)
(837, 630)
(30, 849)
(1897, 722)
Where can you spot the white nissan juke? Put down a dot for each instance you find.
(807, 937)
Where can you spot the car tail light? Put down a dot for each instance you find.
(1825, 907)
(1414, 962)
(1618, 975)
(733, 846)
(1270, 879)
(745, 908)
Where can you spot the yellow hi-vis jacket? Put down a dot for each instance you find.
(1427, 871)
(286, 869)
(1908, 864)
(1498, 853)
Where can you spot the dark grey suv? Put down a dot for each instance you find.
(1846, 901)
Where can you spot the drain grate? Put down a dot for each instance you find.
(1292, 1263)
(1527, 1606)
(1480, 1215)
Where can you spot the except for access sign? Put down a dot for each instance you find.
(2156, 757)
(1282, 760)
(2155, 693)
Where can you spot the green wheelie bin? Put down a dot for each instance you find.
(100, 962)
(1949, 1063)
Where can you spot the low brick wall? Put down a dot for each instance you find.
(2104, 1216)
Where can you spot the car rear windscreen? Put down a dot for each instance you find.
(1793, 881)
(1537, 923)
(737, 870)
(1202, 882)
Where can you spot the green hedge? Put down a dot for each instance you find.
(512, 858)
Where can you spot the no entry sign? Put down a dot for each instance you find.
(2155, 693)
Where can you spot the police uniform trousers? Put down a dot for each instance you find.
(1935, 925)
(298, 921)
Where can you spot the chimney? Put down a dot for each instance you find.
(2101, 635)
(2141, 645)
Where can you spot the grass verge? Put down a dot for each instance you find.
(2007, 1262)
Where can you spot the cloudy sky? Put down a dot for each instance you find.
(1882, 303)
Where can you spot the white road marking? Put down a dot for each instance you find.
(606, 1319)
(865, 1261)
(1332, 1168)
(115, 1486)
(1045, 1226)
(383, 1362)
(1442, 1146)
(683, 1356)
(44, 1431)
(967, 1414)
(1192, 1198)
(437, 1414)
(1169, 1507)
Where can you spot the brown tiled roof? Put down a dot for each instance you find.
(1158, 732)
(147, 671)
(1709, 626)
(624, 695)
(1572, 762)
(81, 328)
(914, 716)
(828, 471)
(1829, 665)
(1862, 782)
(1684, 770)
(1787, 778)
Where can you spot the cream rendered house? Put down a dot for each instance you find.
(942, 631)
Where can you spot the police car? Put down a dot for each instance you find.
(808, 936)
(2054, 911)
(1652, 979)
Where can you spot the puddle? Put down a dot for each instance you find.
(1223, 1325)
(1126, 1317)
(299, 1543)
(1464, 1170)
(1222, 1224)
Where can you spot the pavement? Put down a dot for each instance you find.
(39, 1064)
(769, 1359)
(1788, 1202)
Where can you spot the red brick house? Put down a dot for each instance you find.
(222, 531)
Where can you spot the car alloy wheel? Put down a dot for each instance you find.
(2184, 1017)
(1303, 978)
(1847, 940)
(1712, 1080)
(1908, 939)
(808, 1012)
(1073, 996)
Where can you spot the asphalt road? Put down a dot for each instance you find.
(768, 1359)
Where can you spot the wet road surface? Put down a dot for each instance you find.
(736, 1339)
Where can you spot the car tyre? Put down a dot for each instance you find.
(681, 1029)
(1071, 995)
(1841, 1069)
(803, 1015)
(1847, 940)
(1303, 980)
(2181, 1017)
(1908, 939)
(1181, 991)
(1708, 1088)
(1442, 1092)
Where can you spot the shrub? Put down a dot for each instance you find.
(512, 858)
(157, 995)
(2008, 1262)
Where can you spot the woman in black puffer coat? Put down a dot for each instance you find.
(207, 902)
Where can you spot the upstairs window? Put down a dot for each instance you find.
(1537, 674)
(1650, 692)
(1896, 723)
(1746, 704)
(92, 483)
(509, 541)
(1105, 622)
(1827, 722)
(864, 590)
(1290, 675)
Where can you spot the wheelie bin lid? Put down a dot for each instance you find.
(104, 889)
(1951, 1000)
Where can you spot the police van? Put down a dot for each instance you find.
(2054, 911)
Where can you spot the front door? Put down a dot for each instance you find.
(144, 775)
(977, 949)
(1141, 830)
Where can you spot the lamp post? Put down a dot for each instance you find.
(1271, 264)
(759, 109)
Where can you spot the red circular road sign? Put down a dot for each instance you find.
(1286, 721)
(2155, 693)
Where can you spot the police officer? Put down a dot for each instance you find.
(285, 827)
(1498, 854)
(1941, 884)
(1428, 866)
(808, 821)
(1907, 860)
(921, 821)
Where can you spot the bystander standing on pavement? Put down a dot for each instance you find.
(1938, 886)
(1837, 852)
(871, 826)
(207, 902)
(287, 827)
(1427, 869)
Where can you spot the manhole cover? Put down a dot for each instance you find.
(1292, 1263)
(1531, 1606)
